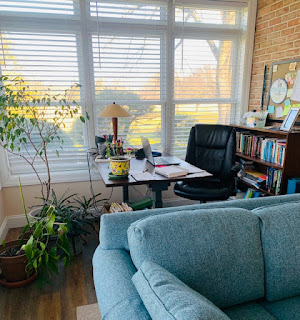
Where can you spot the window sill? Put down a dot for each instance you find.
(56, 177)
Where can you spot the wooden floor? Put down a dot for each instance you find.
(73, 287)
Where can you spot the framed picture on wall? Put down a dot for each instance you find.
(290, 119)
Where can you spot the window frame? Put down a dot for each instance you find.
(82, 24)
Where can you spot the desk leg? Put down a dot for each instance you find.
(158, 188)
(125, 194)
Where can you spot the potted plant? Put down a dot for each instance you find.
(119, 162)
(21, 262)
(24, 116)
(75, 213)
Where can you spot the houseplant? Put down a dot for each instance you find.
(75, 213)
(119, 162)
(22, 260)
(31, 124)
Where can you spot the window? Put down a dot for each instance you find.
(170, 63)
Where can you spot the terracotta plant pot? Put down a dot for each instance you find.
(13, 268)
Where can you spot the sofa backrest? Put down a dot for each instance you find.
(280, 235)
(216, 252)
(113, 227)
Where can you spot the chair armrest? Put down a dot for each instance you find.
(116, 293)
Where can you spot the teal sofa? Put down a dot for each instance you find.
(222, 260)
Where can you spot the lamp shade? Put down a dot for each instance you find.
(114, 111)
(296, 90)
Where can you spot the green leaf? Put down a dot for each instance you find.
(50, 224)
(82, 119)
(57, 153)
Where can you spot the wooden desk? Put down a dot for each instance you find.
(157, 184)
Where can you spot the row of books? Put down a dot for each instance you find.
(254, 178)
(266, 149)
(273, 181)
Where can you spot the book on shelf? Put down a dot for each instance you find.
(261, 147)
(171, 171)
(254, 178)
(273, 181)
(252, 193)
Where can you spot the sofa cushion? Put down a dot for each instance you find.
(168, 298)
(286, 309)
(249, 311)
(217, 253)
(113, 228)
(280, 234)
(117, 296)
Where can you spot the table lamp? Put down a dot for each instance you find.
(296, 90)
(114, 111)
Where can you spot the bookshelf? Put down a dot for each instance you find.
(291, 164)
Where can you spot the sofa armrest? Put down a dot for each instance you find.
(116, 294)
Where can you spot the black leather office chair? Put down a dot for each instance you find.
(212, 148)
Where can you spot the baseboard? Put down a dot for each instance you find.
(16, 221)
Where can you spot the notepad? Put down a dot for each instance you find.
(171, 171)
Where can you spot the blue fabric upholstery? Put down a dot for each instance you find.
(113, 227)
(217, 253)
(280, 234)
(168, 298)
(249, 311)
(286, 309)
(113, 270)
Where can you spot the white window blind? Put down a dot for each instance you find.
(209, 49)
(171, 63)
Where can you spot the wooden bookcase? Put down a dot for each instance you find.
(291, 165)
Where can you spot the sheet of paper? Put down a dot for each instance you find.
(296, 89)
(271, 109)
(142, 176)
(287, 102)
(279, 111)
(286, 110)
(289, 93)
(296, 105)
(292, 66)
(275, 67)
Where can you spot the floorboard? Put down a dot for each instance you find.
(73, 287)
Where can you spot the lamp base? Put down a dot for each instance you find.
(115, 127)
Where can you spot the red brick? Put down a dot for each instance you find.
(278, 55)
(295, 6)
(274, 35)
(274, 21)
(282, 11)
(279, 40)
(287, 31)
(293, 37)
(288, 2)
(267, 30)
(295, 22)
(261, 26)
(268, 16)
(286, 46)
(280, 26)
(294, 53)
(277, 6)
(297, 44)
(263, 11)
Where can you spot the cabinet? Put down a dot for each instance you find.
(291, 164)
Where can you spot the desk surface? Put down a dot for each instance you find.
(140, 166)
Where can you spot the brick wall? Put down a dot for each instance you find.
(277, 37)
